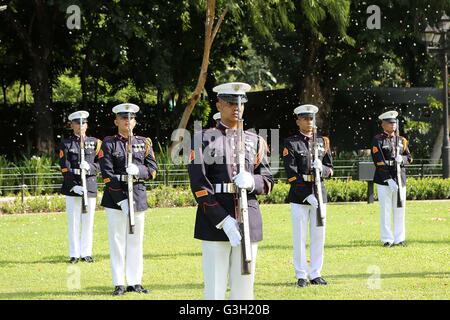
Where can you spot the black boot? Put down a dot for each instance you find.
(88, 259)
(119, 291)
(73, 260)
(137, 288)
(318, 281)
(302, 283)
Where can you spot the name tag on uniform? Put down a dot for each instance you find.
(89, 145)
(139, 147)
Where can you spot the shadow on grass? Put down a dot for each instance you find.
(98, 258)
(425, 275)
(354, 244)
(50, 295)
(98, 292)
(393, 275)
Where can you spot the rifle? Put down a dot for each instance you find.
(317, 185)
(130, 177)
(84, 199)
(400, 199)
(242, 205)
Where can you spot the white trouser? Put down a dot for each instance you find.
(80, 243)
(125, 249)
(302, 216)
(388, 202)
(220, 261)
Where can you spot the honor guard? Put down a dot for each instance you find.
(73, 167)
(299, 165)
(390, 152)
(126, 248)
(215, 179)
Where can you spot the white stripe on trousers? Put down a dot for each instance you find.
(220, 260)
(80, 241)
(388, 203)
(302, 216)
(125, 249)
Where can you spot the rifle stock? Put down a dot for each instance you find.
(243, 219)
(130, 178)
(84, 199)
(400, 199)
(317, 186)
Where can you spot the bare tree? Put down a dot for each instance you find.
(210, 33)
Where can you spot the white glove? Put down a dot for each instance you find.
(393, 185)
(133, 169)
(84, 165)
(124, 206)
(399, 159)
(77, 190)
(230, 227)
(245, 180)
(317, 164)
(312, 200)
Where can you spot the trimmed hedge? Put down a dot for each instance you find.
(165, 196)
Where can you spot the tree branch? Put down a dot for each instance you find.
(218, 24)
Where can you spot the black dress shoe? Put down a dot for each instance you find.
(318, 281)
(119, 291)
(302, 283)
(137, 288)
(387, 244)
(73, 260)
(401, 243)
(88, 259)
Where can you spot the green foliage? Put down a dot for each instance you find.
(37, 172)
(354, 190)
(67, 89)
(201, 112)
(277, 195)
(35, 205)
(168, 196)
(434, 103)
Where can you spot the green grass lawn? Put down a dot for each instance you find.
(33, 256)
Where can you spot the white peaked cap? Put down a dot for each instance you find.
(78, 115)
(306, 109)
(125, 108)
(389, 115)
(237, 88)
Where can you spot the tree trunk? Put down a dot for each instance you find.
(83, 83)
(210, 33)
(36, 40)
(311, 79)
(40, 87)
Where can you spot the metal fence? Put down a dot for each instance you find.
(17, 180)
